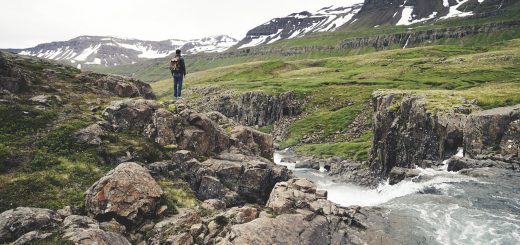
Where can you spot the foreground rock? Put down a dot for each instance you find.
(232, 178)
(304, 216)
(84, 230)
(128, 193)
(17, 222)
(186, 129)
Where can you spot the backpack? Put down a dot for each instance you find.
(175, 64)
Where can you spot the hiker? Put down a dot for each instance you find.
(178, 70)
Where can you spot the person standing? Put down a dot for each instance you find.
(178, 69)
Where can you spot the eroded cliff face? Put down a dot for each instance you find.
(493, 133)
(407, 135)
(254, 108)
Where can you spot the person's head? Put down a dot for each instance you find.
(178, 52)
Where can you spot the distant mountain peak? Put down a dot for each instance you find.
(88, 50)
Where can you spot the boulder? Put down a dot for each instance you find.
(293, 194)
(12, 77)
(163, 128)
(255, 142)
(398, 174)
(117, 85)
(495, 131)
(128, 193)
(16, 222)
(91, 135)
(130, 114)
(172, 228)
(201, 135)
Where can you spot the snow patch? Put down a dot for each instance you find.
(454, 12)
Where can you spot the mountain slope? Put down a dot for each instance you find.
(298, 24)
(111, 51)
(371, 13)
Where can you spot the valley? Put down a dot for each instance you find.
(378, 122)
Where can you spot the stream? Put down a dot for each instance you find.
(440, 207)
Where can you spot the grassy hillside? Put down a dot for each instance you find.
(337, 89)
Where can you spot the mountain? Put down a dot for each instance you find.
(298, 24)
(112, 51)
(370, 13)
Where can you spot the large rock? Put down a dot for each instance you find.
(117, 85)
(16, 222)
(302, 215)
(256, 142)
(128, 193)
(172, 227)
(94, 236)
(201, 135)
(493, 132)
(130, 113)
(91, 135)
(405, 133)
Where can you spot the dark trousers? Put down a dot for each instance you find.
(177, 84)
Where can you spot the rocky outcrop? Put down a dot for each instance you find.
(12, 77)
(16, 222)
(302, 215)
(232, 178)
(127, 193)
(405, 133)
(255, 107)
(116, 85)
(494, 132)
(185, 129)
(82, 230)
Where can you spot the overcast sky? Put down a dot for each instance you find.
(26, 23)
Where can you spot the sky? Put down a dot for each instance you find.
(26, 23)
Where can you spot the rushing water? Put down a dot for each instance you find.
(440, 207)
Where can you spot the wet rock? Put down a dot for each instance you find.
(127, 193)
(16, 222)
(398, 174)
(495, 131)
(459, 163)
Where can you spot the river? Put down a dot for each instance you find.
(440, 207)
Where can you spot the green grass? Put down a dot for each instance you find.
(337, 89)
(356, 149)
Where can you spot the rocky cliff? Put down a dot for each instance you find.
(406, 133)
(253, 108)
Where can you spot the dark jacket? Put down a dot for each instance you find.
(182, 68)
